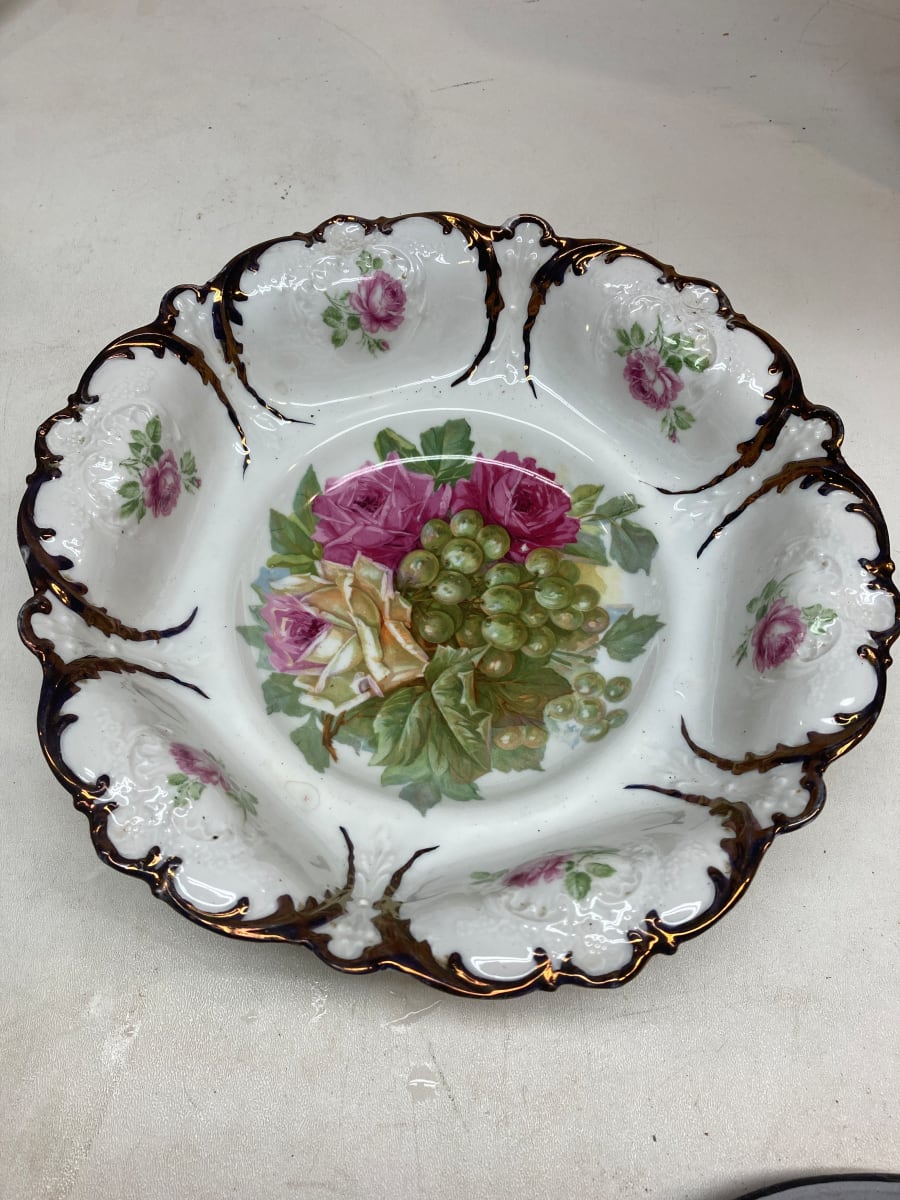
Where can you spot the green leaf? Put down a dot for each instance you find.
(454, 789)
(253, 636)
(741, 652)
(631, 546)
(673, 363)
(130, 489)
(308, 740)
(139, 450)
(696, 362)
(636, 335)
(523, 758)
(622, 351)
(599, 870)
(357, 730)
(818, 618)
(307, 490)
(683, 418)
(281, 694)
(525, 692)
(353, 322)
(422, 794)
(590, 545)
(388, 440)
(422, 787)
(338, 337)
(450, 658)
(333, 316)
(486, 876)
(365, 262)
(177, 779)
(153, 429)
(400, 738)
(759, 604)
(583, 499)
(578, 884)
(141, 508)
(451, 675)
(297, 564)
(129, 507)
(624, 339)
(156, 452)
(377, 263)
(629, 635)
(447, 449)
(139, 439)
(618, 506)
(288, 535)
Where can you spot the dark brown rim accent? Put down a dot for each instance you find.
(228, 294)
(399, 949)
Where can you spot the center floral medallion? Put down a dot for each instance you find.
(441, 613)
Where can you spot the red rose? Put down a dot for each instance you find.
(650, 381)
(547, 869)
(377, 511)
(200, 764)
(777, 635)
(379, 300)
(162, 485)
(520, 496)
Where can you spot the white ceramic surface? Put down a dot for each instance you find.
(267, 727)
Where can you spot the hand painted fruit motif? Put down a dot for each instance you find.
(441, 613)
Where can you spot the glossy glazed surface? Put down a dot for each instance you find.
(466, 599)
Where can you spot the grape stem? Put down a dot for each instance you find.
(585, 658)
(330, 727)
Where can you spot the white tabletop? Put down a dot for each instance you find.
(146, 141)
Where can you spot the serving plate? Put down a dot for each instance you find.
(463, 599)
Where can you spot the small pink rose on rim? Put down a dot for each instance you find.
(200, 764)
(376, 511)
(546, 870)
(777, 635)
(162, 485)
(294, 632)
(650, 380)
(379, 301)
(522, 497)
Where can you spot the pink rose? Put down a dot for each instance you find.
(520, 496)
(547, 870)
(295, 631)
(377, 511)
(650, 381)
(162, 485)
(380, 301)
(200, 764)
(777, 635)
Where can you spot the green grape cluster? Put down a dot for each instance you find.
(588, 705)
(465, 592)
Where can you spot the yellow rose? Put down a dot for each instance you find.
(344, 634)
